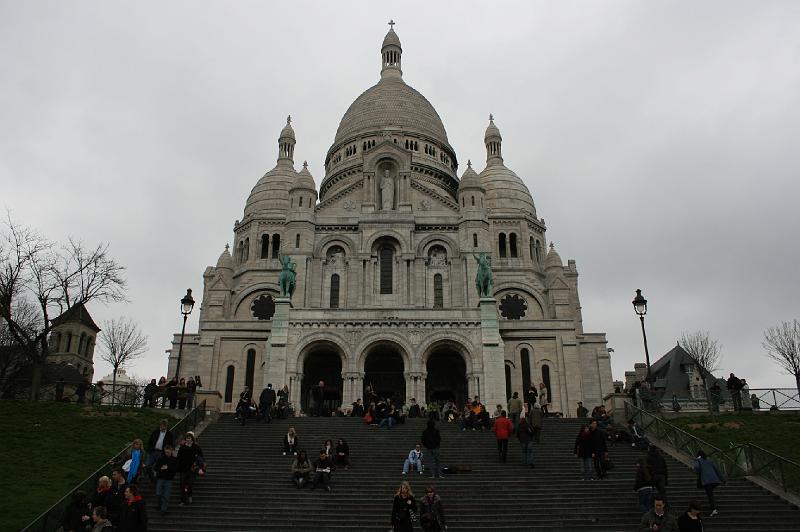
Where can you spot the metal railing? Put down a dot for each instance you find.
(774, 399)
(758, 399)
(51, 519)
(740, 460)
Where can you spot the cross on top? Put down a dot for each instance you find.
(491, 118)
(289, 119)
(391, 24)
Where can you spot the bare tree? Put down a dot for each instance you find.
(705, 353)
(782, 343)
(122, 343)
(35, 273)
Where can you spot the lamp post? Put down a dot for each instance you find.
(187, 304)
(640, 307)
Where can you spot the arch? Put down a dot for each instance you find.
(446, 370)
(322, 361)
(246, 252)
(386, 269)
(546, 379)
(432, 240)
(501, 245)
(276, 245)
(387, 235)
(271, 288)
(89, 346)
(512, 245)
(384, 371)
(81, 343)
(532, 251)
(523, 289)
(508, 380)
(321, 248)
(334, 299)
(378, 338)
(265, 246)
(473, 201)
(230, 374)
(250, 369)
(525, 363)
(69, 342)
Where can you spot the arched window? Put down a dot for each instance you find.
(474, 240)
(463, 201)
(246, 252)
(55, 342)
(501, 245)
(276, 245)
(473, 201)
(264, 246)
(438, 295)
(229, 384)
(69, 342)
(508, 382)
(81, 343)
(240, 251)
(533, 253)
(297, 240)
(538, 251)
(386, 259)
(546, 381)
(512, 238)
(89, 346)
(525, 358)
(335, 290)
(250, 369)
(301, 201)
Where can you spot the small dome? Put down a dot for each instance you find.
(225, 260)
(287, 132)
(470, 179)
(553, 259)
(391, 39)
(271, 193)
(304, 179)
(492, 132)
(505, 191)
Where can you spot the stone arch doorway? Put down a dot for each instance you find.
(322, 363)
(447, 376)
(384, 372)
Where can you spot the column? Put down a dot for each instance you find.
(275, 353)
(493, 383)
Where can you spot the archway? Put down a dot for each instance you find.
(322, 363)
(447, 376)
(383, 371)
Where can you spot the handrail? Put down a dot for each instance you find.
(740, 460)
(50, 519)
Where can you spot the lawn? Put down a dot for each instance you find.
(779, 433)
(47, 448)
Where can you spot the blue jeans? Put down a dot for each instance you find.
(416, 463)
(586, 466)
(645, 500)
(434, 462)
(389, 420)
(527, 453)
(163, 489)
(514, 419)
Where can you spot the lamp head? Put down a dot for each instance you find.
(639, 303)
(187, 303)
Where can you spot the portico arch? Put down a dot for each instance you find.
(384, 364)
(447, 363)
(321, 360)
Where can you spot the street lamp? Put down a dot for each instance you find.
(187, 304)
(640, 307)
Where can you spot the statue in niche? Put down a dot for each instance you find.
(387, 191)
(438, 258)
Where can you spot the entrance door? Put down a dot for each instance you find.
(383, 370)
(447, 377)
(325, 365)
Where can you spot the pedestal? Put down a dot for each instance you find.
(275, 353)
(493, 383)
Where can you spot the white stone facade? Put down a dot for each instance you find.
(386, 275)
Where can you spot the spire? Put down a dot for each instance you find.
(286, 142)
(391, 53)
(493, 142)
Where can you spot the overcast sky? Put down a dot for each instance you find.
(660, 140)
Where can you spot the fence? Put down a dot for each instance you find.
(775, 398)
(51, 519)
(738, 461)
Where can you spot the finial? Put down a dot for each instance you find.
(552, 245)
(305, 165)
(288, 120)
(491, 118)
(469, 163)
(227, 247)
(391, 25)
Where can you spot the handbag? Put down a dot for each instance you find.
(127, 466)
(414, 516)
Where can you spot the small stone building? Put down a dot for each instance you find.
(385, 259)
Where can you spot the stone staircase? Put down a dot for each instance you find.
(248, 487)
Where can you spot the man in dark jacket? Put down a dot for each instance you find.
(734, 385)
(657, 467)
(166, 467)
(117, 499)
(358, 409)
(159, 438)
(322, 471)
(597, 441)
(266, 401)
(150, 392)
(525, 435)
(432, 440)
(134, 512)
(658, 519)
(318, 394)
(530, 397)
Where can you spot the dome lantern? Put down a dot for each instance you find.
(286, 141)
(391, 54)
(493, 142)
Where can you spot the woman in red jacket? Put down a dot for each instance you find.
(502, 430)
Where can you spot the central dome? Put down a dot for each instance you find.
(391, 104)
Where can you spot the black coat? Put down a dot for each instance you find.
(431, 438)
(172, 467)
(597, 440)
(583, 446)
(318, 393)
(187, 456)
(401, 513)
(524, 433)
(116, 501)
(133, 517)
(267, 397)
(431, 513)
(656, 463)
(153, 439)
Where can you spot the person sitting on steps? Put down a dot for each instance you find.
(322, 471)
(414, 459)
(342, 453)
(301, 469)
(414, 410)
(290, 442)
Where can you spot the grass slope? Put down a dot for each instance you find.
(779, 433)
(47, 448)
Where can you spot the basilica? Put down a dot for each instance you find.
(385, 255)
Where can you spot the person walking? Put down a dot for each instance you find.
(690, 520)
(657, 468)
(582, 411)
(583, 450)
(100, 520)
(643, 486)
(166, 467)
(535, 418)
(431, 512)
(318, 395)
(544, 399)
(134, 512)
(159, 438)
(191, 391)
(266, 401)
(514, 409)
(502, 430)
(342, 453)
(531, 397)
(404, 509)
(658, 519)
(301, 469)
(188, 454)
(432, 439)
(709, 477)
(414, 458)
(525, 436)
